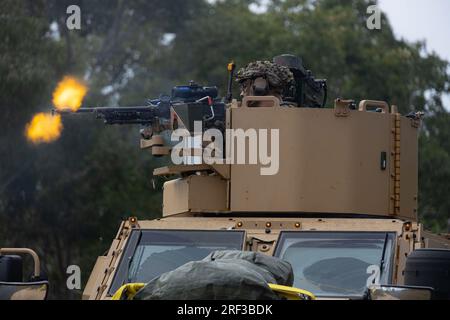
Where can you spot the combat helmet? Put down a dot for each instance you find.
(278, 77)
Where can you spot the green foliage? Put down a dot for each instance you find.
(67, 199)
(434, 175)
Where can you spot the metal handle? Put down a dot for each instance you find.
(33, 254)
(380, 104)
(274, 100)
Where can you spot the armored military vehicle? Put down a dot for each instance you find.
(333, 191)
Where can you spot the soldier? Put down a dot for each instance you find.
(264, 78)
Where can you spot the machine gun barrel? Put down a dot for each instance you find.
(158, 110)
(143, 115)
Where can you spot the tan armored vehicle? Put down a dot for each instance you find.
(340, 205)
(333, 191)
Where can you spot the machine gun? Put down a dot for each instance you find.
(308, 92)
(186, 104)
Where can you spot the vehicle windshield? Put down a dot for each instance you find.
(337, 264)
(155, 252)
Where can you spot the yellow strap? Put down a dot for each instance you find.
(292, 293)
(129, 290)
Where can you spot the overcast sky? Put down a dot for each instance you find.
(421, 20)
(427, 20)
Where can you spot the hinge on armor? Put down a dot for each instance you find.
(342, 107)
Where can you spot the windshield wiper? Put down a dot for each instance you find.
(382, 262)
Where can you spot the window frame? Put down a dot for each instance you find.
(389, 235)
(120, 276)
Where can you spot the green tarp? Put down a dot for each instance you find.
(223, 275)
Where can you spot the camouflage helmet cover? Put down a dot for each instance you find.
(278, 76)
